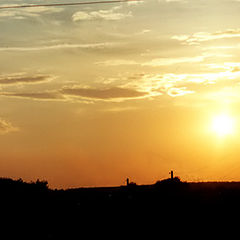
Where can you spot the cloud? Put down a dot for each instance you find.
(200, 78)
(60, 46)
(198, 37)
(232, 68)
(160, 61)
(6, 127)
(54, 95)
(180, 37)
(170, 61)
(117, 62)
(103, 94)
(20, 78)
(78, 93)
(144, 31)
(176, 85)
(20, 14)
(45, 10)
(176, 92)
(110, 14)
(119, 109)
(135, 3)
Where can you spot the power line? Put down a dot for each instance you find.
(66, 4)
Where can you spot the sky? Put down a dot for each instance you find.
(91, 95)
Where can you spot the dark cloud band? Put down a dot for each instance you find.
(109, 93)
(24, 79)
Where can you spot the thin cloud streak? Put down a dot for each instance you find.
(108, 15)
(198, 37)
(104, 94)
(73, 94)
(24, 79)
(54, 95)
(59, 47)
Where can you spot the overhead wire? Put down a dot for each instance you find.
(65, 4)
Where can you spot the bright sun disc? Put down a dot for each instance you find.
(223, 125)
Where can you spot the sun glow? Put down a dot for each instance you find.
(223, 125)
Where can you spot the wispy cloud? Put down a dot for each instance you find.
(6, 127)
(198, 37)
(21, 78)
(60, 46)
(156, 62)
(135, 3)
(26, 13)
(232, 68)
(104, 94)
(176, 85)
(119, 109)
(117, 62)
(159, 84)
(176, 92)
(170, 61)
(75, 93)
(43, 96)
(108, 15)
(138, 86)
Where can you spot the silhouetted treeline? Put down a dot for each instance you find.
(10, 185)
(32, 209)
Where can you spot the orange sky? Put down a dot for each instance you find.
(92, 95)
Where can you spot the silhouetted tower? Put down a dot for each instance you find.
(127, 181)
(171, 175)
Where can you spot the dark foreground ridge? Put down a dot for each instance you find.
(32, 210)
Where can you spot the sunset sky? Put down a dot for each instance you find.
(93, 94)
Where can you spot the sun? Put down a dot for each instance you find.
(223, 125)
